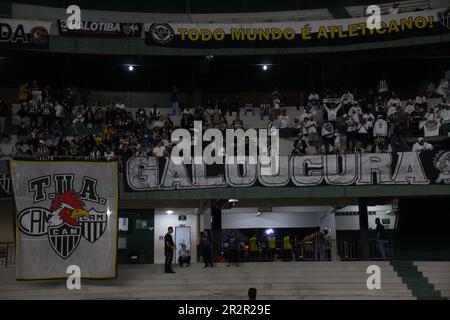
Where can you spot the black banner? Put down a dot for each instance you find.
(102, 29)
(401, 168)
(298, 33)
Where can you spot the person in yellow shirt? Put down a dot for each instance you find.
(254, 248)
(287, 247)
(24, 93)
(272, 246)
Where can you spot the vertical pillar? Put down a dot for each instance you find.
(364, 228)
(216, 229)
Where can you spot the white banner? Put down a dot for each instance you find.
(66, 215)
(24, 34)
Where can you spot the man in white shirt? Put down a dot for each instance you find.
(409, 107)
(7, 147)
(380, 127)
(430, 127)
(394, 101)
(421, 145)
(159, 150)
(332, 111)
(314, 98)
(284, 120)
(120, 105)
(307, 113)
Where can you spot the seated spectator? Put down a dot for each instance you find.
(237, 123)
(159, 150)
(108, 154)
(300, 146)
(381, 146)
(184, 256)
(421, 145)
(284, 120)
(380, 127)
(7, 147)
(421, 100)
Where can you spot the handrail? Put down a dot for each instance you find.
(7, 253)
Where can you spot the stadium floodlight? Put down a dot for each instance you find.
(169, 211)
(264, 67)
(130, 68)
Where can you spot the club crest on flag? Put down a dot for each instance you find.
(65, 223)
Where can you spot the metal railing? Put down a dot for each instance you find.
(403, 6)
(7, 254)
(350, 249)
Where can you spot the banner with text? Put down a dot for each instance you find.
(66, 216)
(297, 33)
(24, 34)
(401, 168)
(102, 29)
(5, 180)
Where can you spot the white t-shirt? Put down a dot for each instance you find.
(392, 110)
(445, 116)
(276, 103)
(394, 102)
(159, 151)
(417, 147)
(409, 108)
(309, 127)
(313, 96)
(284, 121)
(380, 128)
(430, 127)
(332, 113)
(306, 114)
(120, 106)
(58, 110)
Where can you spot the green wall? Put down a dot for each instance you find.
(139, 240)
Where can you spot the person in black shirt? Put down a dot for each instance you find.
(380, 238)
(169, 246)
(252, 293)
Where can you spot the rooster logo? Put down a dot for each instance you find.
(65, 223)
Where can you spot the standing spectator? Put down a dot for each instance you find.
(284, 119)
(174, 102)
(318, 242)
(169, 247)
(254, 248)
(237, 123)
(287, 247)
(380, 238)
(248, 107)
(205, 242)
(276, 106)
(233, 249)
(350, 132)
(264, 109)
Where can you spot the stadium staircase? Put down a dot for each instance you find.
(437, 274)
(417, 283)
(273, 280)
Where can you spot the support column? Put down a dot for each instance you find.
(364, 228)
(216, 229)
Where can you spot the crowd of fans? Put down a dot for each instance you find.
(51, 124)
